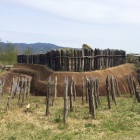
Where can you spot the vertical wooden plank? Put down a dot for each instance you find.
(117, 86)
(87, 85)
(23, 91)
(69, 57)
(97, 90)
(74, 89)
(75, 66)
(113, 90)
(95, 93)
(65, 100)
(107, 93)
(20, 85)
(95, 59)
(1, 93)
(72, 60)
(55, 91)
(92, 106)
(83, 59)
(82, 90)
(71, 96)
(48, 96)
(89, 95)
(8, 103)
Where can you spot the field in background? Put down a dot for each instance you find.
(121, 122)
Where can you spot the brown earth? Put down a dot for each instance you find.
(41, 73)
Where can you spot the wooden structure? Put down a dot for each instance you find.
(76, 59)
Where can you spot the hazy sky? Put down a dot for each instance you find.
(70, 23)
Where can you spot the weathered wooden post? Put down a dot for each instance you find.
(117, 87)
(82, 90)
(55, 91)
(107, 93)
(113, 89)
(132, 84)
(129, 85)
(8, 102)
(1, 92)
(12, 86)
(97, 90)
(28, 86)
(1, 88)
(48, 96)
(87, 85)
(71, 96)
(23, 91)
(95, 93)
(137, 96)
(3, 82)
(82, 67)
(15, 89)
(74, 89)
(65, 100)
(21, 86)
(91, 96)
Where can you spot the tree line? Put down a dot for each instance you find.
(8, 54)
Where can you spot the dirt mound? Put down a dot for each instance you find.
(41, 73)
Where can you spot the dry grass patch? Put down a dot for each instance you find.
(121, 122)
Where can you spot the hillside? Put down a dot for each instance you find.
(35, 47)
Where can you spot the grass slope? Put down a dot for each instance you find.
(120, 123)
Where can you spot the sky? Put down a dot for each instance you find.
(113, 24)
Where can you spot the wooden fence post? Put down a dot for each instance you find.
(1, 92)
(97, 90)
(28, 86)
(21, 88)
(55, 91)
(91, 96)
(107, 93)
(8, 102)
(23, 91)
(129, 85)
(132, 84)
(137, 96)
(65, 100)
(87, 85)
(117, 87)
(71, 96)
(48, 96)
(82, 90)
(95, 93)
(74, 89)
(113, 89)
(15, 89)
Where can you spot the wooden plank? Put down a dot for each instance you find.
(48, 96)
(108, 93)
(65, 101)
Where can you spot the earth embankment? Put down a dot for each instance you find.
(41, 73)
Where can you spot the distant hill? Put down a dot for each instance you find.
(35, 47)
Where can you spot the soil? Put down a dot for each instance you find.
(41, 73)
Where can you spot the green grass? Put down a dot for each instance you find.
(121, 122)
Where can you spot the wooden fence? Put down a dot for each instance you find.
(76, 59)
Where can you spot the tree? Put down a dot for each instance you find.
(10, 54)
(85, 46)
(28, 51)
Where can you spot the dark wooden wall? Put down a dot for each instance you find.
(76, 59)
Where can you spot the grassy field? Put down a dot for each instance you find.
(122, 122)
